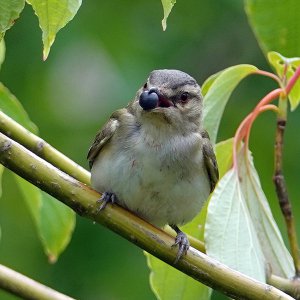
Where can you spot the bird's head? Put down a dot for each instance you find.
(169, 97)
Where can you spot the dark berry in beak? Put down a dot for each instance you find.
(148, 100)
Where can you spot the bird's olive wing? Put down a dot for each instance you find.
(102, 137)
(210, 160)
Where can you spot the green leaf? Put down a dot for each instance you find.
(209, 81)
(276, 25)
(276, 254)
(220, 89)
(53, 15)
(230, 236)
(13, 108)
(9, 12)
(168, 283)
(223, 152)
(54, 221)
(286, 67)
(167, 6)
(2, 52)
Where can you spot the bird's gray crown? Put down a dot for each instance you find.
(171, 78)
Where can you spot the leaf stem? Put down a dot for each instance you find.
(292, 81)
(269, 74)
(243, 133)
(244, 129)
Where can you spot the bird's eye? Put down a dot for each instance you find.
(184, 97)
(145, 85)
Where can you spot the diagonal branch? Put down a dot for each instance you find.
(41, 148)
(82, 200)
(27, 288)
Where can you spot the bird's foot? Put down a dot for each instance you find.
(182, 241)
(106, 197)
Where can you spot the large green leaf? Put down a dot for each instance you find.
(286, 67)
(219, 89)
(276, 25)
(53, 15)
(167, 6)
(276, 254)
(9, 12)
(230, 236)
(54, 221)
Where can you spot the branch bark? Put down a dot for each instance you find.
(282, 194)
(82, 200)
(27, 288)
(41, 148)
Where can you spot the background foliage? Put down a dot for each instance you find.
(96, 65)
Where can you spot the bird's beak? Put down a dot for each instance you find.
(152, 98)
(164, 102)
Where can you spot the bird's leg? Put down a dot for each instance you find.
(107, 197)
(182, 241)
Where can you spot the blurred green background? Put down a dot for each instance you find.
(95, 66)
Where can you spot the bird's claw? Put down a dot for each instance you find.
(106, 197)
(183, 245)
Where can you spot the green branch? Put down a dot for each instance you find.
(83, 200)
(27, 288)
(41, 148)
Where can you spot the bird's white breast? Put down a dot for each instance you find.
(160, 178)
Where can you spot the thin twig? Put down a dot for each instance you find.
(26, 288)
(41, 148)
(282, 195)
(155, 241)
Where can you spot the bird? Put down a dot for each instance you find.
(154, 157)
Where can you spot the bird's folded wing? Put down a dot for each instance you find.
(102, 137)
(210, 160)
